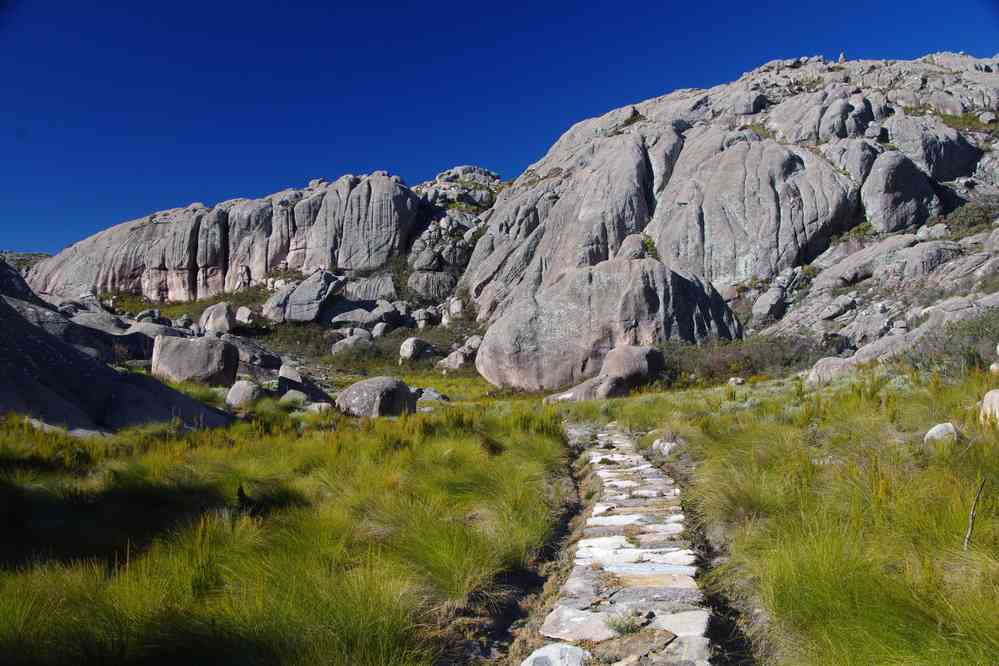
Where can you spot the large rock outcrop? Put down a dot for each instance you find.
(741, 181)
(352, 224)
(561, 334)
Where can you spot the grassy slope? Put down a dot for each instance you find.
(361, 542)
(841, 527)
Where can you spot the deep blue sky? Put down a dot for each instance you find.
(112, 109)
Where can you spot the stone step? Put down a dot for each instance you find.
(650, 568)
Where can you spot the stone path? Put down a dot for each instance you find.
(632, 597)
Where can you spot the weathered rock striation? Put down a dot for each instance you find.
(743, 180)
(560, 335)
(352, 224)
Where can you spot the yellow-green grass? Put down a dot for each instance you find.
(841, 526)
(135, 303)
(346, 542)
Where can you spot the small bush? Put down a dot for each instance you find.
(714, 362)
(861, 231)
(761, 130)
(624, 624)
(971, 218)
(958, 347)
(649, 245)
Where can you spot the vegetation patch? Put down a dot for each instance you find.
(969, 122)
(338, 541)
(649, 245)
(971, 218)
(761, 131)
(716, 361)
(135, 303)
(957, 348)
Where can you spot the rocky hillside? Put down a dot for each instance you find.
(752, 186)
(656, 221)
(356, 224)
(750, 178)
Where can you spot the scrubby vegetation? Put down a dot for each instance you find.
(340, 542)
(971, 218)
(756, 357)
(135, 303)
(957, 348)
(970, 122)
(843, 532)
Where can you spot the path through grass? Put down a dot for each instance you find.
(843, 530)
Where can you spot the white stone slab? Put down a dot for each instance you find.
(617, 521)
(686, 623)
(570, 624)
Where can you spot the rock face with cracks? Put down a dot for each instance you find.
(738, 181)
(354, 223)
(560, 335)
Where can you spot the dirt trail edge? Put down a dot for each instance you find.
(632, 597)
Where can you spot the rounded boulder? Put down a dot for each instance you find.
(378, 396)
(201, 360)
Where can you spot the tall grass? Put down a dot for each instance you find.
(353, 542)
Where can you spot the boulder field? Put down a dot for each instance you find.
(793, 185)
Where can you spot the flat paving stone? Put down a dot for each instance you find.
(611, 521)
(668, 528)
(678, 581)
(621, 484)
(558, 654)
(687, 623)
(604, 542)
(651, 594)
(570, 624)
(649, 568)
(603, 507)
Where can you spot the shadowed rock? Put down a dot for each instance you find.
(49, 380)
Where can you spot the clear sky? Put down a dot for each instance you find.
(112, 109)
